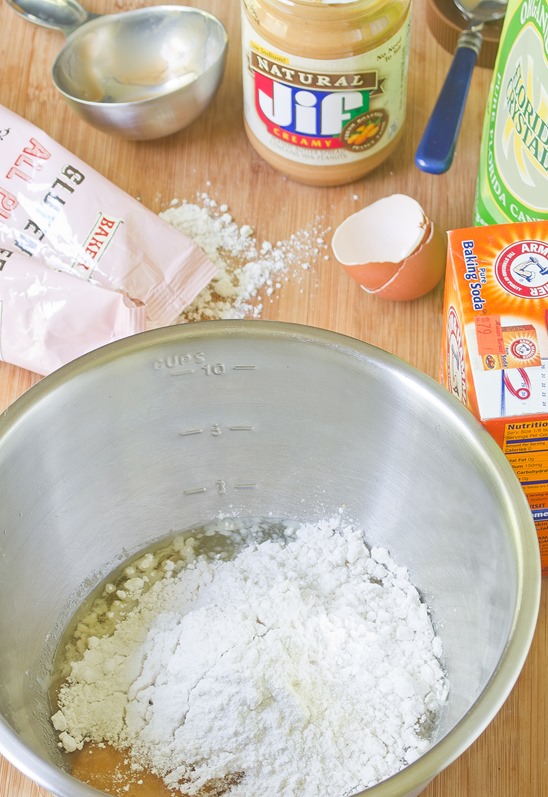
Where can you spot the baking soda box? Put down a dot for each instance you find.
(495, 348)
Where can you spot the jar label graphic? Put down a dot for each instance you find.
(324, 111)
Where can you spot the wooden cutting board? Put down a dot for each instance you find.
(213, 157)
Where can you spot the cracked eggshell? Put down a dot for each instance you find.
(392, 249)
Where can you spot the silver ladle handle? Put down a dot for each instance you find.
(66, 15)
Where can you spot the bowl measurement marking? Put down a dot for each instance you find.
(209, 369)
(220, 487)
(198, 362)
(216, 430)
(174, 360)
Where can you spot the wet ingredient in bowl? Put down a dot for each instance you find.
(297, 662)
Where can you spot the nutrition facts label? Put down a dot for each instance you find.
(526, 447)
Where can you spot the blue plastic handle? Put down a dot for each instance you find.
(437, 146)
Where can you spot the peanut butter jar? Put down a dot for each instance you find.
(325, 84)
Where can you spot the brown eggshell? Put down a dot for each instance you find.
(386, 231)
(391, 248)
(373, 276)
(419, 273)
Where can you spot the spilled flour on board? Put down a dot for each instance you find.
(246, 266)
(304, 665)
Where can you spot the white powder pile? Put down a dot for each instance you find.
(245, 266)
(305, 666)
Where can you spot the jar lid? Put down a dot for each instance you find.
(446, 23)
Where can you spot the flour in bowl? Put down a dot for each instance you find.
(301, 663)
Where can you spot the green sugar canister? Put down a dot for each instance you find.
(512, 183)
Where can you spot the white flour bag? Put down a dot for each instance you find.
(58, 212)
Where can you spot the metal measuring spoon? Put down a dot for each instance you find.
(65, 15)
(437, 146)
(142, 74)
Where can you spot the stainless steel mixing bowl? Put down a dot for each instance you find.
(96, 462)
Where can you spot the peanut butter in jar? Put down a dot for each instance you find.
(325, 84)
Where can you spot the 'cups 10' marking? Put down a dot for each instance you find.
(183, 364)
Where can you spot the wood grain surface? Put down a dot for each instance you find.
(510, 759)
